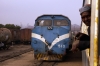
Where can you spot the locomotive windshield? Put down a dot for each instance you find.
(44, 23)
(60, 23)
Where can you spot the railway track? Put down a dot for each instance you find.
(45, 63)
(27, 59)
(14, 52)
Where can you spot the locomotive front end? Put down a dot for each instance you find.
(50, 37)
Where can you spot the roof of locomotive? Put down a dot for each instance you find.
(50, 16)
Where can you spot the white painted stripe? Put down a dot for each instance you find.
(62, 37)
(39, 37)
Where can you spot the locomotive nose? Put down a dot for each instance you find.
(48, 42)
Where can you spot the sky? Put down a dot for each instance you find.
(24, 12)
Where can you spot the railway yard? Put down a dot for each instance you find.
(22, 55)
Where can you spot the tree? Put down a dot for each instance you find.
(1, 25)
(10, 26)
(17, 27)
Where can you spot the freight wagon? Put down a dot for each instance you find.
(25, 36)
(5, 38)
(15, 35)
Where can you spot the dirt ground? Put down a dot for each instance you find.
(27, 59)
(14, 50)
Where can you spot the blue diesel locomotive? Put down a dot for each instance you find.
(51, 36)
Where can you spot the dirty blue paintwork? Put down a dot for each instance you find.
(51, 35)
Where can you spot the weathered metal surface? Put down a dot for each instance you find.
(25, 35)
(5, 35)
(57, 57)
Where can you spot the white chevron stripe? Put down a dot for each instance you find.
(54, 42)
(59, 39)
(39, 37)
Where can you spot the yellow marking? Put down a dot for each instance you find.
(40, 55)
(37, 55)
(38, 58)
(95, 52)
(96, 20)
(59, 56)
(47, 58)
(96, 7)
(44, 58)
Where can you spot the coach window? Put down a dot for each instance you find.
(60, 23)
(44, 22)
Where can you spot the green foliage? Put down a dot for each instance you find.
(17, 27)
(1, 25)
(10, 26)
